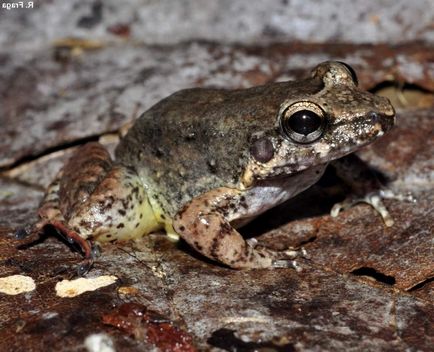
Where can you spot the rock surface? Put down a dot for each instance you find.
(79, 71)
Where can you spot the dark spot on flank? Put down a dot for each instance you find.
(122, 212)
(121, 225)
(225, 212)
(137, 225)
(197, 246)
(214, 247)
(182, 211)
(109, 236)
(141, 216)
(181, 228)
(225, 228)
(163, 216)
(246, 250)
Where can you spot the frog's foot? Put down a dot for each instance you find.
(375, 200)
(283, 259)
(25, 232)
(402, 197)
(90, 250)
(87, 263)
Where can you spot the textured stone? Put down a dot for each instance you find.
(77, 71)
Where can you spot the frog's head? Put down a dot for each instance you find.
(313, 129)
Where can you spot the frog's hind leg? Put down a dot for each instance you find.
(50, 215)
(71, 187)
(48, 211)
(204, 224)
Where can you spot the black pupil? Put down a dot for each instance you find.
(304, 122)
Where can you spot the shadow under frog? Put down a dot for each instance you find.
(203, 162)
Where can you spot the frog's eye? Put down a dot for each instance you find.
(302, 122)
(352, 72)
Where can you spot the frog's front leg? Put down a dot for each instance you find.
(205, 224)
(365, 186)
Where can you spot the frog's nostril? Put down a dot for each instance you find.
(373, 116)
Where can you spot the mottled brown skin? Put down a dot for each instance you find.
(203, 162)
(198, 139)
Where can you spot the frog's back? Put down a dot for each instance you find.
(198, 139)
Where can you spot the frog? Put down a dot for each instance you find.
(204, 162)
